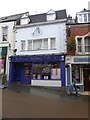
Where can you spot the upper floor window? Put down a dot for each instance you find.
(80, 17)
(37, 44)
(29, 45)
(23, 45)
(85, 17)
(83, 45)
(52, 43)
(4, 33)
(51, 15)
(79, 44)
(45, 44)
(89, 17)
(87, 44)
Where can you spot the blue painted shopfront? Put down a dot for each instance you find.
(24, 69)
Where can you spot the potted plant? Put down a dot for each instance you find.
(72, 44)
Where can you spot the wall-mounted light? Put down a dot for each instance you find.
(63, 57)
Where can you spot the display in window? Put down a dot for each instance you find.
(27, 70)
(36, 71)
(46, 71)
(76, 74)
(55, 70)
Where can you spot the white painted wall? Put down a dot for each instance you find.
(10, 40)
(57, 30)
(56, 83)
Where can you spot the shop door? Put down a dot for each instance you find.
(27, 72)
(17, 72)
(86, 79)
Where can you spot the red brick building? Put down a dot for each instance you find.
(78, 50)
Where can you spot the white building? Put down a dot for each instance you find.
(45, 35)
(7, 40)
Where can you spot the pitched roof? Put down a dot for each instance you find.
(12, 17)
(84, 10)
(61, 14)
(38, 18)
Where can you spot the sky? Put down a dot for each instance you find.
(11, 7)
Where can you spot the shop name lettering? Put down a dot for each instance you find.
(82, 59)
(36, 58)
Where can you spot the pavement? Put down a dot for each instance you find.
(25, 101)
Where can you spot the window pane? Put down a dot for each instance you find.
(53, 43)
(46, 71)
(37, 44)
(36, 71)
(80, 18)
(22, 45)
(79, 49)
(76, 73)
(5, 32)
(55, 70)
(45, 46)
(79, 44)
(88, 17)
(29, 45)
(87, 44)
(85, 17)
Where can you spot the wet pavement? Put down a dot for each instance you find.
(24, 101)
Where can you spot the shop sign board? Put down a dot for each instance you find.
(82, 59)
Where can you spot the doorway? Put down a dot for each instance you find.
(86, 76)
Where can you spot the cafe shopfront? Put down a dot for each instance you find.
(38, 70)
(79, 68)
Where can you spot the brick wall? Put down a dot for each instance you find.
(76, 30)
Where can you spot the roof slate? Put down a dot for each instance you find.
(12, 17)
(60, 14)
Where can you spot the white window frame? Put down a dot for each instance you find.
(86, 45)
(5, 34)
(23, 45)
(28, 47)
(83, 44)
(51, 47)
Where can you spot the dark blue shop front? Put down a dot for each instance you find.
(37, 68)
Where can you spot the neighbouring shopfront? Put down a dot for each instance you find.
(42, 70)
(79, 68)
(3, 56)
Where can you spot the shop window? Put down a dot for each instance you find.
(76, 73)
(5, 33)
(46, 71)
(27, 70)
(37, 71)
(55, 70)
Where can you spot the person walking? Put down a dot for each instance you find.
(73, 87)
